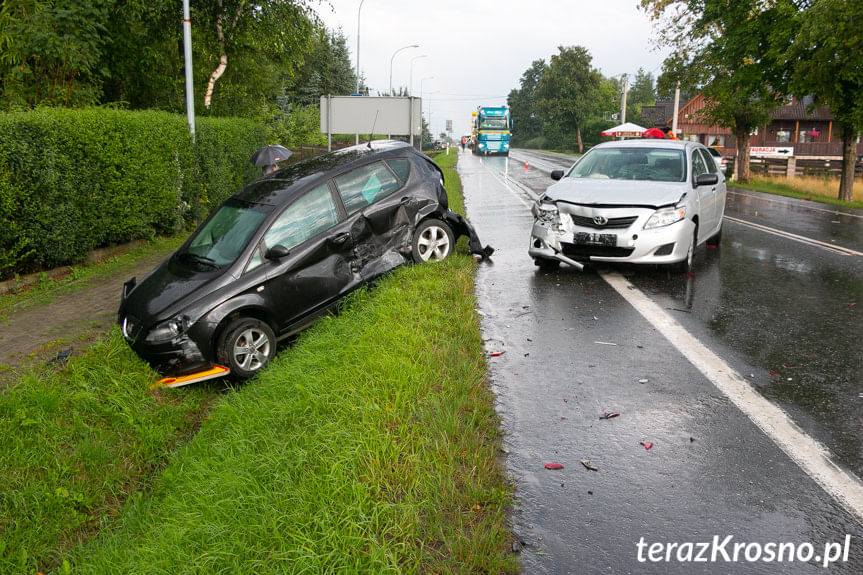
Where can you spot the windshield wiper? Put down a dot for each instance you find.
(199, 259)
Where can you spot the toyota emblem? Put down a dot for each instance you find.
(600, 220)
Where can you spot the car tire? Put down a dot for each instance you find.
(546, 264)
(715, 238)
(686, 265)
(246, 347)
(433, 241)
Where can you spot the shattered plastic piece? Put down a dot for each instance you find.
(60, 358)
(644, 380)
(553, 466)
(604, 343)
(786, 366)
(750, 375)
(647, 445)
(564, 400)
(595, 318)
(689, 275)
(773, 373)
(607, 415)
(852, 304)
(640, 346)
(496, 353)
(589, 465)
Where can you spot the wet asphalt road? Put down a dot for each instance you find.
(762, 302)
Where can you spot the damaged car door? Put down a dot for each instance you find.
(379, 224)
(308, 255)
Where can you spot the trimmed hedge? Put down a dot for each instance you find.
(75, 180)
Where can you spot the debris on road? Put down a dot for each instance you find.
(496, 353)
(588, 465)
(643, 380)
(607, 415)
(604, 343)
(647, 445)
(553, 466)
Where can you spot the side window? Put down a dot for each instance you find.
(402, 168)
(709, 162)
(698, 165)
(254, 261)
(363, 186)
(306, 217)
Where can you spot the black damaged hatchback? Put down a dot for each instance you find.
(283, 251)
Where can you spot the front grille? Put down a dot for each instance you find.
(612, 223)
(580, 251)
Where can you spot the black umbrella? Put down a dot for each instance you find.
(269, 155)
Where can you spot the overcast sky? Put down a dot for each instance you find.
(477, 50)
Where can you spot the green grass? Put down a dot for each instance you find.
(780, 188)
(77, 443)
(370, 445)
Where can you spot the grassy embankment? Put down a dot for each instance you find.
(812, 188)
(369, 445)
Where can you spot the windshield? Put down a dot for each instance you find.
(650, 164)
(221, 239)
(492, 124)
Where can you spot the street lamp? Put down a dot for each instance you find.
(411, 86)
(358, 45)
(393, 58)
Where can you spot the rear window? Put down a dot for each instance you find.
(401, 166)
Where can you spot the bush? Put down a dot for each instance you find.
(75, 180)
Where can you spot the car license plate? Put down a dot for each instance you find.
(594, 239)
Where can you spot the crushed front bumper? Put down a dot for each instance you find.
(567, 241)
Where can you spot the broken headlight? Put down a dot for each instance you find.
(167, 330)
(546, 212)
(665, 217)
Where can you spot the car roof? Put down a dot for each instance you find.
(649, 143)
(284, 184)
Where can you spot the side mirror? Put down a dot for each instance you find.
(556, 174)
(276, 252)
(706, 180)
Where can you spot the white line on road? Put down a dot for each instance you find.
(807, 453)
(796, 238)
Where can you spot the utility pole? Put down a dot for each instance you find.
(624, 80)
(187, 51)
(676, 109)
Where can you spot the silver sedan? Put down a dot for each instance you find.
(636, 201)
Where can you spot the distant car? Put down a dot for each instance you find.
(721, 161)
(283, 251)
(637, 201)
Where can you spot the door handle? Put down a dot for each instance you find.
(340, 239)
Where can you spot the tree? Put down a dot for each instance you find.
(567, 90)
(641, 93)
(720, 47)
(51, 52)
(827, 56)
(275, 33)
(522, 104)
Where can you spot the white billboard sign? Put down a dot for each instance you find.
(366, 115)
(772, 151)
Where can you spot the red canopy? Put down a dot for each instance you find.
(653, 133)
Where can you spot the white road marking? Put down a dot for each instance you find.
(795, 204)
(806, 452)
(796, 238)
